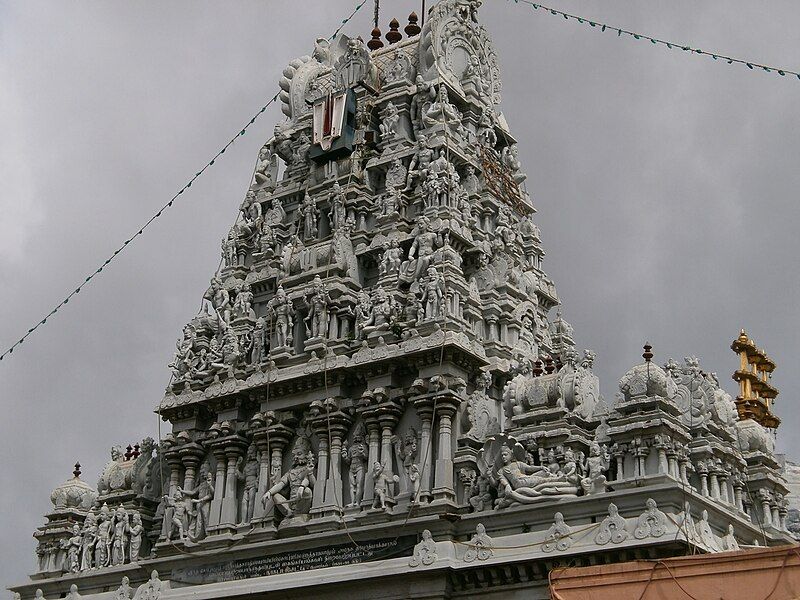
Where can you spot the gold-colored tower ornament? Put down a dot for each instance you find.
(756, 394)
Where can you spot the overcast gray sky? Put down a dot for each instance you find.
(666, 186)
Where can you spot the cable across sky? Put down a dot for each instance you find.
(161, 210)
(534, 5)
(671, 45)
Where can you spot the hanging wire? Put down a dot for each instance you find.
(429, 445)
(752, 65)
(160, 211)
(140, 231)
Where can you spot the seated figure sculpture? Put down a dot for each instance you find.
(299, 479)
(521, 483)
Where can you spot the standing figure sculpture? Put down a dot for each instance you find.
(220, 301)
(180, 515)
(433, 295)
(243, 305)
(260, 343)
(205, 494)
(248, 474)
(102, 545)
(420, 162)
(281, 314)
(407, 451)
(135, 531)
(382, 481)
(73, 548)
(229, 248)
(355, 456)
(310, 214)
(119, 542)
(317, 319)
(338, 212)
(89, 532)
(391, 259)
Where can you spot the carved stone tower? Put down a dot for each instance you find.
(377, 374)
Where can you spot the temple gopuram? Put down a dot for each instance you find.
(380, 398)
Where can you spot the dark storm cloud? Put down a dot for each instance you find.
(666, 186)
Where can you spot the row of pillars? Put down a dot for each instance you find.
(380, 418)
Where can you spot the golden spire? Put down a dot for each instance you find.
(756, 393)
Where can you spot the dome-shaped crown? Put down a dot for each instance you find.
(74, 493)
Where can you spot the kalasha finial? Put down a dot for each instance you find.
(537, 368)
(77, 471)
(393, 35)
(549, 365)
(647, 355)
(412, 28)
(128, 452)
(376, 42)
(136, 452)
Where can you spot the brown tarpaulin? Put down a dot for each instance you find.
(757, 574)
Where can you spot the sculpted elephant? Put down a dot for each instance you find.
(754, 438)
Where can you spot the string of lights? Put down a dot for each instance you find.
(656, 41)
(160, 211)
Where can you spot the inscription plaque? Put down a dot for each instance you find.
(298, 560)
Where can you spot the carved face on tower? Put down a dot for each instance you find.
(299, 455)
(594, 449)
(506, 455)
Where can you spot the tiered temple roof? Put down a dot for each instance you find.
(380, 381)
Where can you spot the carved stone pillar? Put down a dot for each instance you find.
(776, 515)
(234, 450)
(175, 464)
(723, 487)
(446, 408)
(702, 472)
(191, 455)
(737, 494)
(322, 471)
(424, 408)
(334, 486)
(672, 464)
(271, 440)
(263, 473)
(619, 458)
(219, 486)
(663, 465)
(641, 459)
(684, 469)
(374, 441)
(714, 485)
(766, 510)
